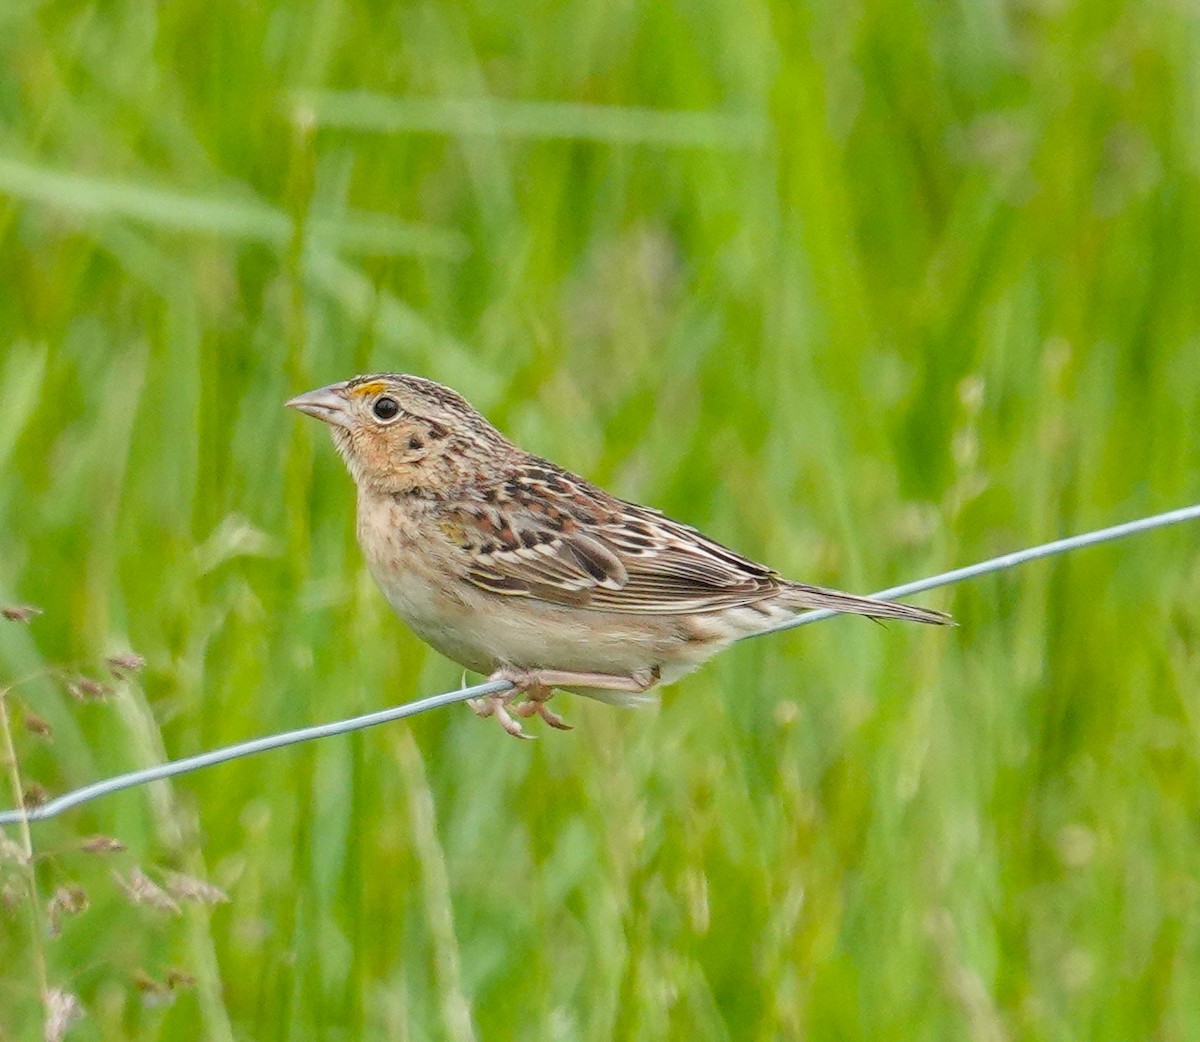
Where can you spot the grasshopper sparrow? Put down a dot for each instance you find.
(515, 567)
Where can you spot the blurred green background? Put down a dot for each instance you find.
(865, 289)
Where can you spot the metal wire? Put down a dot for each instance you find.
(171, 768)
(1006, 561)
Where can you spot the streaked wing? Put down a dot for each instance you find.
(552, 536)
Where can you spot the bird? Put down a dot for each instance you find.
(517, 568)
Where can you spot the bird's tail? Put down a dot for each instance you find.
(803, 597)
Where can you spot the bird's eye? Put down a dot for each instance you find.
(386, 408)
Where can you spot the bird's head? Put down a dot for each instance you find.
(400, 433)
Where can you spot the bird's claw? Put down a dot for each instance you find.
(537, 707)
(497, 706)
(525, 682)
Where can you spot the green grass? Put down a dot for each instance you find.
(866, 291)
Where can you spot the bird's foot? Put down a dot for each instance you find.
(497, 705)
(536, 692)
(537, 686)
(537, 707)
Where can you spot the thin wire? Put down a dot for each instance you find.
(1004, 562)
(172, 768)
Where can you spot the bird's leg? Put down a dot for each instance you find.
(537, 685)
(642, 680)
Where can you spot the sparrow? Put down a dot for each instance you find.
(519, 569)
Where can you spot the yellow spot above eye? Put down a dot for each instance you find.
(366, 390)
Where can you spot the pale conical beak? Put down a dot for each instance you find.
(326, 403)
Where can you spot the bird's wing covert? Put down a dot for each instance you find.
(554, 537)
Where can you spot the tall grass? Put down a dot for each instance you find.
(865, 291)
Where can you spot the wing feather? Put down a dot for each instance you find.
(552, 536)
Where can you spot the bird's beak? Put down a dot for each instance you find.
(326, 403)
